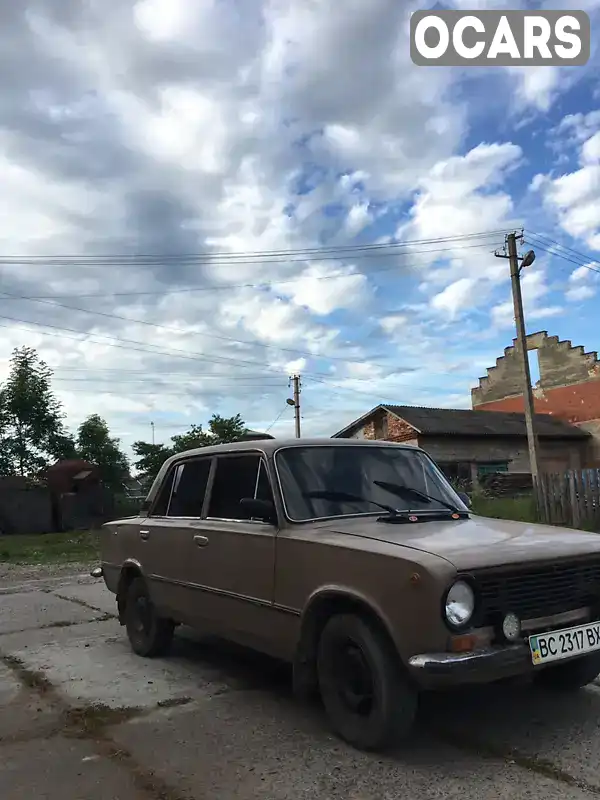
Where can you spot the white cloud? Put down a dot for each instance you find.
(590, 151)
(574, 197)
(463, 195)
(536, 86)
(534, 289)
(322, 289)
(357, 219)
(583, 282)
(455, 297)
(168, 127)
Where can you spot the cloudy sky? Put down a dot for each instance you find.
(167, 164)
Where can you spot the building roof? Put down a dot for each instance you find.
(465, 422)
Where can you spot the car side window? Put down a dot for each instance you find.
(237, 477)
(159, 508)
(189, 488)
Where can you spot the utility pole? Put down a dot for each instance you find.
(295, 402)
(515, 277)
(152, 426)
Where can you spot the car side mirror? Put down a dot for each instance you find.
(465, 498)
(262, 509)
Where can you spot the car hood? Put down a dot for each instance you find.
(476, 542)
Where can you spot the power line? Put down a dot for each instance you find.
(170, 329)
(113, 341)
(277, 418)
(242, 381)
(260, 285)
(228, 256)
(589, 260)
(549, 246)
(118, 343)
(207, 335)
(159, 392)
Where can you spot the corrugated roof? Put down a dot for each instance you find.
(465, 422)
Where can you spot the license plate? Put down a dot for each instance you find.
(567, 643)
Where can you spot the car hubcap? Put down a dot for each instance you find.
(353, 678)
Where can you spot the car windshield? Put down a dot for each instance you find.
(359, 471)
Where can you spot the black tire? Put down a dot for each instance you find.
(570, 676)
(149, 634)
(369, 701)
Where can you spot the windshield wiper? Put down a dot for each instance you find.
(346, 497)
(408, 493)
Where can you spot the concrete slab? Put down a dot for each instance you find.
(63, 768)
(95, 595)
(252, 745)
(84, 632)
(23, 713)
(30, 610)
(102, 669)
(10, 687)
(557, 729)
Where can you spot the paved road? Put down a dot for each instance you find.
(81, 717)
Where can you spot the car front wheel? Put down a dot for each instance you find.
(149, 634)
(368, 699)
(570, 676)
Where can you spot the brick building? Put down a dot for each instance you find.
(468, 445)
(568, 388)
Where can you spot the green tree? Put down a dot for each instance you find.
(195, 437)
(150, 458)
(32, 431)
(96, 445)
(221, 430)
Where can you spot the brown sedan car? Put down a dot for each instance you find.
(358, 563)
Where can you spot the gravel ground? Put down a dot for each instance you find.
(12, 574)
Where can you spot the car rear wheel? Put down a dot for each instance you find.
(570, 676)
(149, 634)
(369, 701)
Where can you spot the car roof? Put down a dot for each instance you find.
(267, 446)
(271, 445)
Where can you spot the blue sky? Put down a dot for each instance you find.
(200, 133)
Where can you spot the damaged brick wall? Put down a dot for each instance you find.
(400, 431)
(561, 365)
(383, 425)
(569, 386)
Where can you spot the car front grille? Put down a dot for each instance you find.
(537, 591)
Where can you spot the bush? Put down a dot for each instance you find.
(520, 509)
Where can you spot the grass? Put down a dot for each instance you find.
(49, 548)
(520, 509)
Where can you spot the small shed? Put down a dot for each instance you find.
(471, 445)
(79, 499)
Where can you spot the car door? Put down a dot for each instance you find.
(172, 534)
(234, 570)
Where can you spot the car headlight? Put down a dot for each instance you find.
(460, 604)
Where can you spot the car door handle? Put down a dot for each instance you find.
(201, 541)
(144, 535)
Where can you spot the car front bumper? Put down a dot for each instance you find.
(432, 670)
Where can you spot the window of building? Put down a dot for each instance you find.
(492, 469)
(189, 488)
(238, 477)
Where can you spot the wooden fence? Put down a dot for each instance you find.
(571, 499)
